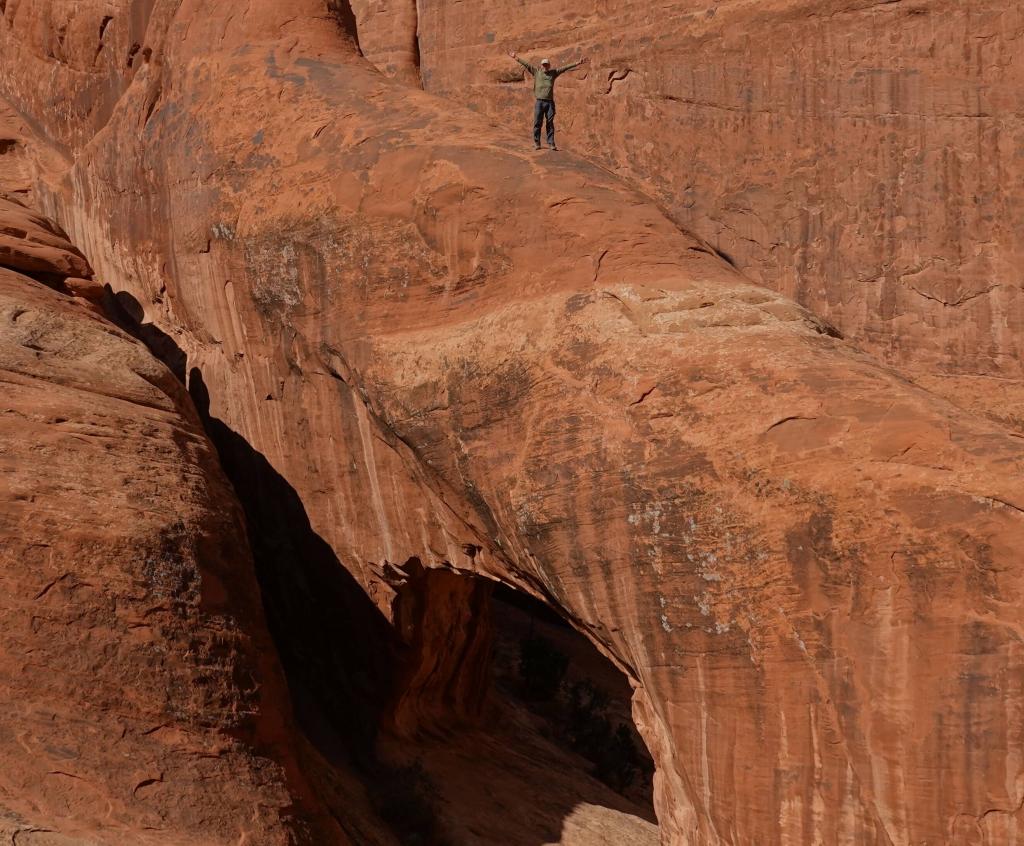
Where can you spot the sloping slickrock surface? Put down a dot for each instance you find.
(137, 681)
(860, 157)
(460, 354)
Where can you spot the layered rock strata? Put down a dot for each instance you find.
(463, 357)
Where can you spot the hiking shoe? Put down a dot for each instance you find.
(554, 147)
(536, 146)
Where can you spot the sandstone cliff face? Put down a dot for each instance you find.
(141, 701)
(859, 157)
(464, 357)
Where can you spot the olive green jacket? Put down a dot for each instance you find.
(544, 81)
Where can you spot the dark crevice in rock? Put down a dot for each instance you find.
(99, 43)
(724, 256)
(341, 11)
(588, 710)
(50, 280)
(127, 313)
(337, 649)
(416, 56)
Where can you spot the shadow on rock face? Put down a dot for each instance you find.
(127, 312)
(349, 676)
(342, 12)
(451, 736)
(337, 649)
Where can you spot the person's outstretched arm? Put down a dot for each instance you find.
(526, 65)
(574, 65)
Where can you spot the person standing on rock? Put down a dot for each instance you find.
(544, 90)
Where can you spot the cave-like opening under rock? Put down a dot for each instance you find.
(479, 717)
(510, 724)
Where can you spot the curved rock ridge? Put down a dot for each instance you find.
(859, 157)
(141, 700)
(464, 357)
(388, 35)
(32, 245)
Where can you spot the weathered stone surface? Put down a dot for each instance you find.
(87, 289)
(33, 245)
(388, 35)
(461, 354)
(860, 157)
(435, 610)
(15, 164)
(140, 699)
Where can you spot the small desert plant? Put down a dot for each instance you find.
(619, 762)
(590, 732)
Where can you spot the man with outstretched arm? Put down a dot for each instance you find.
(544, 91)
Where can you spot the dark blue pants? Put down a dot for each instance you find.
(544, 109)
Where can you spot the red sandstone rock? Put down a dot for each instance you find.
(31, 244)
(140, 700)
(87, 289)
(17, 253)
(387, 35)
(15, 179)
(462, 354)
(859, 157)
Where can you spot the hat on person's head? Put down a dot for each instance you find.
(545, 62)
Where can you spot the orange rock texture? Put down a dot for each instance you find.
(462, 356)
(141, 700)
(859, 157)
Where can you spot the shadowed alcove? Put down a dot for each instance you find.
(508, 724)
